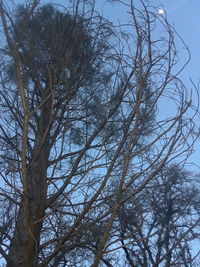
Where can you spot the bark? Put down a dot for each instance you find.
(25, 242)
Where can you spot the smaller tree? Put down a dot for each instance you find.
(160, 225)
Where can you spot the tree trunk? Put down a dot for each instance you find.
(24, 245)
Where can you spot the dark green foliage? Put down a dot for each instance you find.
(53, 41)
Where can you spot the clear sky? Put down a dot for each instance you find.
(184, 15)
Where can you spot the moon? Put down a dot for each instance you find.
(161, 11)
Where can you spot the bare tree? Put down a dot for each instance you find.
(81, 105)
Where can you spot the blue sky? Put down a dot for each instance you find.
(184, 16)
